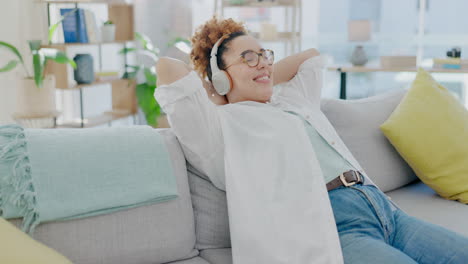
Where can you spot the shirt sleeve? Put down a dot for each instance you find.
(307, 83)
(194, 119)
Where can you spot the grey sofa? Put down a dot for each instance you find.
(194, 228)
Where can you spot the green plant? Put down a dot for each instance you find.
(40, 56)
(145, 90)
(108, 22)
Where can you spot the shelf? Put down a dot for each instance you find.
(109, 2)
(290, 37)
(282, 36)
(61, 45)
(266, 4)
(124, 102)
(393, 69)
(33, 116)
(79, 86)
(97, 82)
(101, 119)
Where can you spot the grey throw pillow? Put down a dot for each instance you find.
(357, 122)
(210, 211)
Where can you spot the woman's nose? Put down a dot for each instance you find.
(263, 62)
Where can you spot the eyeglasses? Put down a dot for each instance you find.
(252, 58)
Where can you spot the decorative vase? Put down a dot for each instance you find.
(84, 72)
(358, 57)
(34, 102)
(108, 33)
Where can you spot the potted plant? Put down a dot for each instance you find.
(108, 31)
(36, 91)
(145, 89)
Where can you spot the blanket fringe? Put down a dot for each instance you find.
(17, 187)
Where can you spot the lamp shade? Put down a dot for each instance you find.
(359, 30)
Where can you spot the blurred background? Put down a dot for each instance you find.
(421, 29)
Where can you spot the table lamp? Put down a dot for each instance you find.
(359, 31)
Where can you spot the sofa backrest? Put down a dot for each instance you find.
(157, 233)
(357, 122)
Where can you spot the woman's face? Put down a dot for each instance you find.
(249, 83)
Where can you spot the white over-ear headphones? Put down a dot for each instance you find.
(221, 80)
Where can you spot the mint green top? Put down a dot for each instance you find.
(331, 162)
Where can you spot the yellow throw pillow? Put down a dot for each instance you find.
(18, 248)
(429, 128)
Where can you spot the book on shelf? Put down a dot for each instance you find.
(450, 63)
(103, 76)
(74, 26)
(91, 27)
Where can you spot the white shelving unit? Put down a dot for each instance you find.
(123, 98)
(291, 36)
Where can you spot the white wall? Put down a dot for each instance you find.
(163, 20)
(19, 21)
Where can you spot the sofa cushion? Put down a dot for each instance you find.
(429, 128)
(357, 122)
(210, 211)
(217, 256)
(154, 233)
(419, 200)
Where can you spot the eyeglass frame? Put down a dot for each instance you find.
(259, 54)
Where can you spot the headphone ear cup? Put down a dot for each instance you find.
(222, 82)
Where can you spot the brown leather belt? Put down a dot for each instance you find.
(348, 178)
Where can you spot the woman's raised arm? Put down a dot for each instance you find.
(192, 116)
(170, 70)
(287, 68)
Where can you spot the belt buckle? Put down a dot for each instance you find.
(347, 184)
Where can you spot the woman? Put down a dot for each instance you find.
(371, 229)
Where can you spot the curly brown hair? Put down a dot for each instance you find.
(206, 36)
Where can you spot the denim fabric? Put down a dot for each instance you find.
(371, 232)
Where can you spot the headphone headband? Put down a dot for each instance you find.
(214, 54)
(221, 80)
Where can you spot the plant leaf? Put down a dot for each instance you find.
(134, 67)
(177, 40)
(126, 50)
(38, 65)
(57, 56)
(150, 54)
(142, 39)
(12, 49)
(146, 43)
(150, 75)
(10, 66)
(53, 27)
(34, 45)
(130, 75)
(147, 103)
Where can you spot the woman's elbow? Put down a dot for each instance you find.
(170, 70)
(309, 53)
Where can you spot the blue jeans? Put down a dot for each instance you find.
(371, 232)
